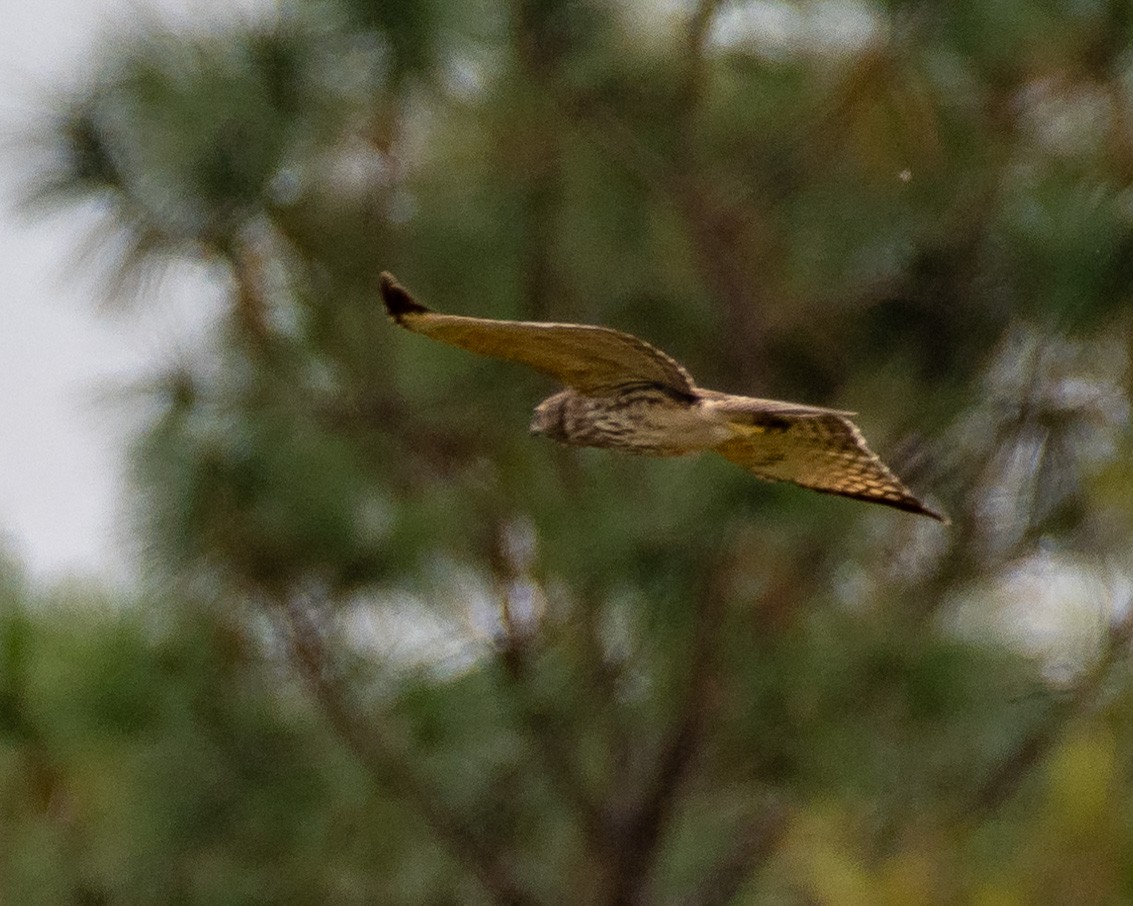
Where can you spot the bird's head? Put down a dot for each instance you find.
(548, 418)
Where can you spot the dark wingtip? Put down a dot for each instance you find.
(908, 504)
(922, 510)
(397, 299)
(912, 505)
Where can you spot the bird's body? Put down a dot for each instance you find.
(623, 394)
(640, 418)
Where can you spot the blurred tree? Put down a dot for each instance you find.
(536, 676)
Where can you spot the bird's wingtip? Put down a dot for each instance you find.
(907, 502)
(915, 506)
(397, 298)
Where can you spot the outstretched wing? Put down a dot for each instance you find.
(590, 359)
(820, 449)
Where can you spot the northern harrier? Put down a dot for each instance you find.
(623, 394)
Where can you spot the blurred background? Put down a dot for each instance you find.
(357, 638)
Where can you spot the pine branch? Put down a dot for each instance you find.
(642, 830)
(389, 767)
(723, 228)
(754, 845)
(1005, 778)
(552, 747)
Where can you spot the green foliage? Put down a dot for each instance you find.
(406, 654)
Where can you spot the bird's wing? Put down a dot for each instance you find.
(820, 449)
(590, 359)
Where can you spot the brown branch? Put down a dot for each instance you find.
(251, 303)
(756, 843)
(723, 229)
(608, 677)
(724, 234)
(41, 776)
(387, 765)
(1016, 766)
(542, 162)
(551, 746)
(696, 75)
(641, 831)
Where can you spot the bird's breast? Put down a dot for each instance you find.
(642, 420)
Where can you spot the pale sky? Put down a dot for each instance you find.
(61, 442)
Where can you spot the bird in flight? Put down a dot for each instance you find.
(621, 393)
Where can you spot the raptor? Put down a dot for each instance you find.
(621, 393)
